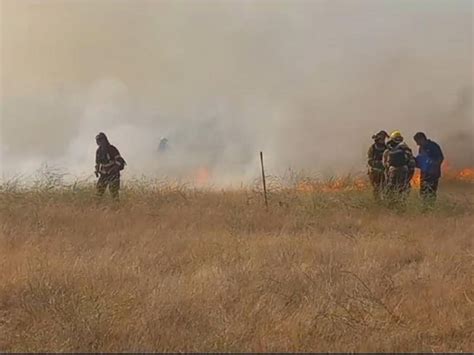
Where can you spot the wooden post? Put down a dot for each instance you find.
(264, 181)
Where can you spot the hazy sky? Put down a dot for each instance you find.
(307, 81)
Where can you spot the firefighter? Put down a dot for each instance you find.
(109, 163)
(375, 163)
(429, 160)
(163, 146)
(399, 167)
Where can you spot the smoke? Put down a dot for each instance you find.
(307, 82)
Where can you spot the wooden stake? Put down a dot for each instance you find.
(264, 181)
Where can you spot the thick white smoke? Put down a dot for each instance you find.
(307, 82)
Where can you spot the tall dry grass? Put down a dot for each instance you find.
(176, 269)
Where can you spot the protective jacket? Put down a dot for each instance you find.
(398, 155)
(375, 156)
(108, 160)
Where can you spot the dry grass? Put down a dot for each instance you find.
(184, 270)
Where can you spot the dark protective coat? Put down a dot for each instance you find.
(109, 163)
(376, 168)
(398, 175)
(108, 160)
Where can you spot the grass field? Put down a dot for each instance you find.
(176, 269)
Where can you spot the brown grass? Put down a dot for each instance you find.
(184, 270)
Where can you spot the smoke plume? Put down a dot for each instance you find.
(307, 82)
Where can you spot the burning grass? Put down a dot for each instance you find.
(450, 174)
(173, 268)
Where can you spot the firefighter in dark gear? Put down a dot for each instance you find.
(375, 163)
(109, 163)
(163, 146)
(399, 167)
(429, 160)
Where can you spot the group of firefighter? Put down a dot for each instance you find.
(392, 166)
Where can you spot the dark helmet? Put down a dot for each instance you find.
(101, 137)
(382, 134)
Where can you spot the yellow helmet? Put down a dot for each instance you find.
(396, 135)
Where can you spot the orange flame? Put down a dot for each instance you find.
(446, 167)
(466, 175)
(416, 181)
(203, 176)
(449, 173)
(360, 184)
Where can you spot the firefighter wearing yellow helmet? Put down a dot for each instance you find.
(399, 165)
(396, 135)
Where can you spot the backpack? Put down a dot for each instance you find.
(397, 157)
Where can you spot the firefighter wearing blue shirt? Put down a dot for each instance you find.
(429, 160)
